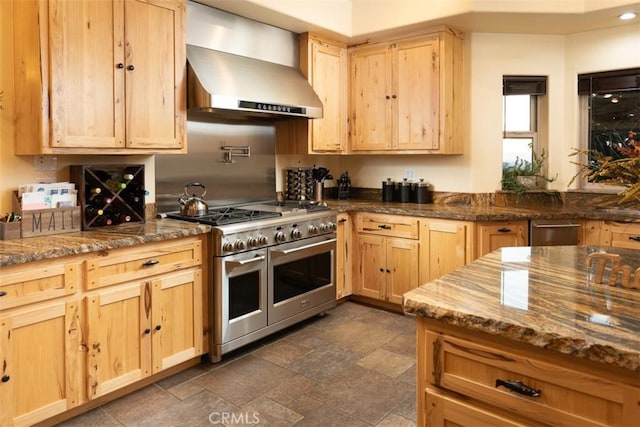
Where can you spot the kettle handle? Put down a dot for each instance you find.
(195, 184)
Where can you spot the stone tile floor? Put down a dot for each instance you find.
(353, 367)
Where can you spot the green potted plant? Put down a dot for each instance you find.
(525, 175)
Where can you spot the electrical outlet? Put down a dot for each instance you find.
(409, 173)
(45, 163)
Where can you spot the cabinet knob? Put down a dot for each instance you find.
(131, 68)
(158, 327)
(150, 263)
(387, 97)
(147, 331)
(394, 96)
(382, 270)
(5, 378)
(120, 65)
(2, 293)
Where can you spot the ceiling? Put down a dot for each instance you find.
(474, 21)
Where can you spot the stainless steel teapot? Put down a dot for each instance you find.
(193, 205)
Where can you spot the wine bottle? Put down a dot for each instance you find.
(100, 200)
(102, 221)
(93, 211)
(95, 190)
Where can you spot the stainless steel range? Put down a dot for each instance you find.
(273, 266)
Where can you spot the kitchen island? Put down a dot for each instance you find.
(521, 336)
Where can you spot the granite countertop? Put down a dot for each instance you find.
(540, 296)
(484, 213)
(56, 245)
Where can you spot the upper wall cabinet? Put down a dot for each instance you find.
(324, 63)
(405, 95)
(100, 77)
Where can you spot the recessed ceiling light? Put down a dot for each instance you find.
(627, 16)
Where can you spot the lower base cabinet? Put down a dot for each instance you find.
(41, 353)
(66, 339)
(462, 375)
(140, 329)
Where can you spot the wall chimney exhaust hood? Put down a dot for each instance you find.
(234, 87)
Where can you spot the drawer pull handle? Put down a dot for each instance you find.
(150, 263)
(5, 378)
(147, 331)
(504, 230)
(342, 220)
(384, 227)
(518, 387)
(158, 327)
(2, 293)
(635, 238)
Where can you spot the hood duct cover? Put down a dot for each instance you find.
(239, 88)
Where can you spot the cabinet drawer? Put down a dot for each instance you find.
(138, 262)
(37, 281)
(388, 225)
(445, 410)
(624, 235)
(567, 397)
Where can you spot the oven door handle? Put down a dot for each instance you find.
(302, 248)
(246, 261)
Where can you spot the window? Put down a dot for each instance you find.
(610, 107)
(521, 103)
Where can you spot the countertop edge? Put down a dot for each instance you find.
(551, 341)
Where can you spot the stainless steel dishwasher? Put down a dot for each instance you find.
(553, 232)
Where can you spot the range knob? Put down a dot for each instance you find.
(263, 240)
(227, 246)
(253, 242)
(313, 229)
(323, 227)
(280, 237)
(332, 226)
(240, 245)
(296, 233)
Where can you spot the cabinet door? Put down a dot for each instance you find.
(445, 247)
(40, 362)
(417, 87)
(495, 235)
(402, 268)
(328, 77)
(119, 337)
(371, 266)
(87, 84)
(176, 326)
(371, 112)
(155, 83)
(344, 256)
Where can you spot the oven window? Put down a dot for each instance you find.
(301, 276)
(244, 294)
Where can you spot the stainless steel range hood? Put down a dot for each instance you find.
(237, 87)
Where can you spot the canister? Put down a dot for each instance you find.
(388, 188)
(421, 192)
(403, 191)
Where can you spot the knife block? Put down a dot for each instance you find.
(109, 195)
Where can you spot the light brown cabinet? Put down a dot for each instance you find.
(111, 76)
(41, 353)
(139, 329)
(405, 95)
(492, 235)
(344, 256)
(76, 328)
(445, 245)
(611, 233)
(324, 63)
(388, 256)
(474, 369)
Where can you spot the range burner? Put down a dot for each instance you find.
(226, 215)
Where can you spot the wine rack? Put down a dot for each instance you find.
(109, 195)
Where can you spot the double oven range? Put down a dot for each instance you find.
(273, 265)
